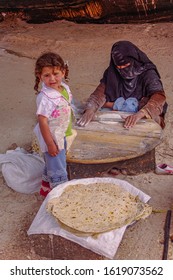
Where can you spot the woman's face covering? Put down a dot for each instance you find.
(127, 72)
(127, 67)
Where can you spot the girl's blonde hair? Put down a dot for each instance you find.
(49, 59)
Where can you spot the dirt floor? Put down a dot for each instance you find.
(87, 49)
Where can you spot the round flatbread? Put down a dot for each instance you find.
(96, 208)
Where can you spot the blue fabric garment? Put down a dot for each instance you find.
(55, 171)
(129, 105)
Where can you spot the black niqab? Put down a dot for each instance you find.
(130, 81)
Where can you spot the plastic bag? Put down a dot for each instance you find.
(22, 171)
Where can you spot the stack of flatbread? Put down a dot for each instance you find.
(96, 208)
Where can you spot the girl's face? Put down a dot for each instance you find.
(52, 77)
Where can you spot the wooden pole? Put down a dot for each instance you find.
(166, 234)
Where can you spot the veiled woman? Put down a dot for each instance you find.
(132, 84)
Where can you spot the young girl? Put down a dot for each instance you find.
(54, 118)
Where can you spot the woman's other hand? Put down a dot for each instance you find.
(86, 117)
(131, 120)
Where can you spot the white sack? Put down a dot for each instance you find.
(22, 171)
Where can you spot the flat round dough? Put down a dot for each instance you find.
(97, 207)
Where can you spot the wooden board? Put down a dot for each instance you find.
(108, 141)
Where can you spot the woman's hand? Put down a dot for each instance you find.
(131, 120)
(86, 117)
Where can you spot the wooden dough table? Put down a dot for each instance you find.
(105, 144)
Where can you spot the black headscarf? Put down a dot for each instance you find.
(139, 79)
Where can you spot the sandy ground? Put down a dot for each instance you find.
(87, 49)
